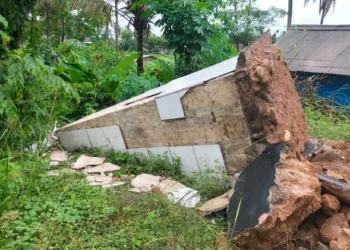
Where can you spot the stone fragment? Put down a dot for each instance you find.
(145, 182)
(330, 204)
(104, 167)
(273, 116)
(216, 204)
(287, 136)
(265, 96)
(329, 156)
(59, 156)
(319, 219)
(342, 242)
(169, 185)
(326, 148)
(240, 74)
(98, 180)
(259, 72)
(332, 227)
(345, 209)
(347, 215)
(114, 184)
(311, 148)
(335, 175)
(85, 161)
(337, 188)
(321, 246)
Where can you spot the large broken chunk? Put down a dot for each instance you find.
(295, 196)
(248, 205)
(270, 101)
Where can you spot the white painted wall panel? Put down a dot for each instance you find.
(170, 107)
(114, 137)
(67, 140)
(189, 163)
(210, 156)
(97, 138)
(160, 151)
(138, 150)
(81, 138)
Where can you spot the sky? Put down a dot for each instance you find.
(301, 14)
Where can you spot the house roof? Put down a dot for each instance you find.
(317, 48)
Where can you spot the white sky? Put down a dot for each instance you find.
(309, 14)
(301, 15)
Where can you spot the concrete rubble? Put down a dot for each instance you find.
(85, 161)
(59, 156)
(216, 204)
(306, 206)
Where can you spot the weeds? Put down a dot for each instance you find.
(52, 212)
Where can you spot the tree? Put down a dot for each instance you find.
(324, 7)
(290, 13)
(186, 25)
(246, 21)
(139, 16)
(17, 14)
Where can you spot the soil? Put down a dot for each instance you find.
(268, 73)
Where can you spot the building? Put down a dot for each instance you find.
(322, 50)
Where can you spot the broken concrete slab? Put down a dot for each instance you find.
(216, 204)
(337, 188)
(99, 180)
(114, 184)
(169, 185)
(59, 156)
(145, 182)
(187, 197)
(103, 168)
(85, 161)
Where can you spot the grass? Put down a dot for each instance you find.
(65, 213)
(333, 127)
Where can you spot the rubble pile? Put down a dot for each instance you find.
(308, 203)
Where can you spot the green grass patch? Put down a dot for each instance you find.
(64, 212)
(333, 127)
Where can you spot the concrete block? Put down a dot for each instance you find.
(210, 156)
(170, 107)
(114, 137)
(139, 151)
(97, 138)
(189, 163)
(81, 138)
(67, 140)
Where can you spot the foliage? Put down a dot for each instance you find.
(245, 22)
(49, 212)
(156, 44)
(324, 7)
(187, 29)
(127, 41)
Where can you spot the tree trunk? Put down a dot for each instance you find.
(290, 13)
(139, 32)
(248, 24)
(322, 17)
(48, 28)
(116, 26)
(63, 29)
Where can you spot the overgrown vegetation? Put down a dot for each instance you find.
(42, 212)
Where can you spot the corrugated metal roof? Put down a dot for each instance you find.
(317, 48)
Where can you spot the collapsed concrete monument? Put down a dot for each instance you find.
(209, 118)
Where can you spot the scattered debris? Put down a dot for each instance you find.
(114, 184)
(85, 161)
(337, 188)
(330, 204)
(342, 242)
(169, 185)
(59, 156)
(103, 168)
(312, 147)
(53, 173)
(99, 180)
(53, 163)
(332, 228)
(329, 156)
(216, 204)
(145, 182)
(187, 197)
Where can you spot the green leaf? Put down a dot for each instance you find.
(166, 73)
(3, 21)
(4, 36)
(124, 64)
